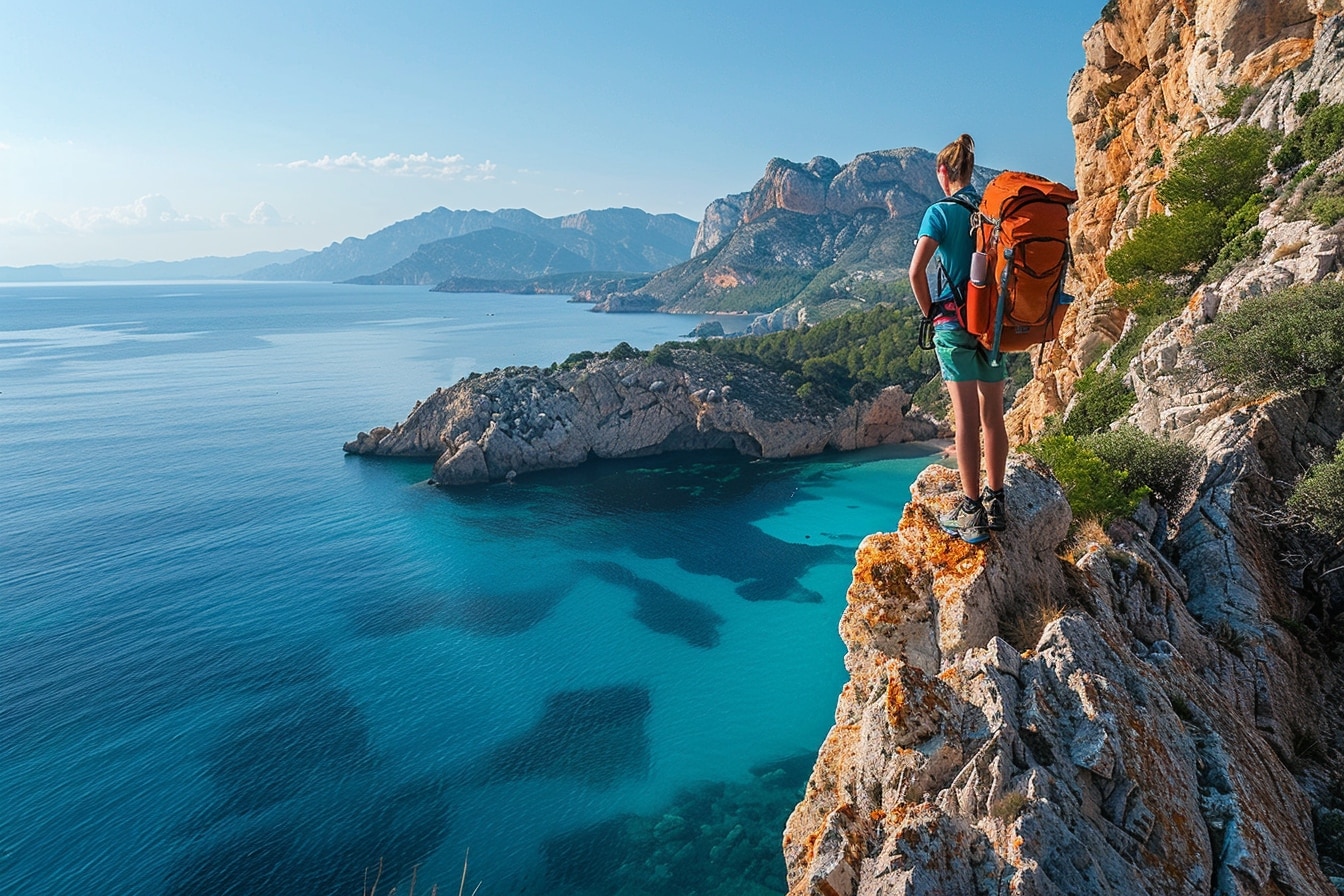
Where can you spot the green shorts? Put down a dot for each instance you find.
(962, 358)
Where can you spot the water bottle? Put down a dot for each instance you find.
(979, 268)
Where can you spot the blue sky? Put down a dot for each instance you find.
(171, 130)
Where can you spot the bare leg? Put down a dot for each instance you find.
(996, 434)
(966, 418)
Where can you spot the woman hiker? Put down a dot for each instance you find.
(976, 387)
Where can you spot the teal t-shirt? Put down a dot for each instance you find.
(949, 224)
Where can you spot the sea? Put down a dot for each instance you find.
(235, 660)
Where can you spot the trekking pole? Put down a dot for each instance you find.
(995, 354)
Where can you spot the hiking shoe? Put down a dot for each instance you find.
(966, 520)
(996, 508)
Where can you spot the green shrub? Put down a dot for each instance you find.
(1111, 11)
(577, 358)
(1152, 302)
(1307, 101)
(1319, 496)
(1169, 244)
(1240, 248)
(1220, 169)
(1162, 465)
(1319, 136)
(1244, 218)
(1102, 398)
(1234, 98)
(1156, 158)
(1290, 340)
(1328, 210)
(661, 355)
(623, 351)
(1095, 489)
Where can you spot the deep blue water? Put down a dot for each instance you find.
(235, 660)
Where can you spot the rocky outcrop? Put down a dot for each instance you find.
(1156, 74)
(1035, 718)
(720, 219)
(493, 426)
(850, 227)
(1172, 720)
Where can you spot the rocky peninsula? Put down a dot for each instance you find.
(494, 426)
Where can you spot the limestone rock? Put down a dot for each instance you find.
(1062, 763)
(1156, 75)
(520, 420)
(722, 216)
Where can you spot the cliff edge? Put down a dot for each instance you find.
(1032, 717)
(1156, 708)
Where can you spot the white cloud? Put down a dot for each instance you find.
(148, 214)
(414, 165)
(32, 222)
(262, 215)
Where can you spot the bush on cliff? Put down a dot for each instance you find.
(1319, 496)
(1100, 399)
(1319, 136)
(1161, 465)
(1291, 340)
(1212, 196)
(1095, 489)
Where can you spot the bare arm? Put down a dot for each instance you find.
(919, 279)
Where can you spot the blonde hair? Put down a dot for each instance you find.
(958, 157)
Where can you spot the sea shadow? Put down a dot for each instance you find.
(661, 609)
(495, 611)
(293, 742)
(697, 512)
(317, 849)
(597, 736)
(721, 835)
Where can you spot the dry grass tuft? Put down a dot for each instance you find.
(1023, 624)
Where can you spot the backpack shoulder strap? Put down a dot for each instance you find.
(957, 199)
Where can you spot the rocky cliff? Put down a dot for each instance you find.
(1152, 709)
(494, 426)
(1028, 719)
(1157, 74)
(814, 239)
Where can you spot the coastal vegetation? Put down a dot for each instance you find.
(1290, 341)
(1213, 199)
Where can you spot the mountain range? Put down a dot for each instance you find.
(210, 267)
(509, 244)
(818, 235)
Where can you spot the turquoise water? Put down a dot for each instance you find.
(235, 660)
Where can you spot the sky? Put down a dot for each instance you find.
(169, 130)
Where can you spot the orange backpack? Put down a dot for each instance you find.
(1022, 227)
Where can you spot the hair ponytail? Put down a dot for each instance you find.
(958, 157)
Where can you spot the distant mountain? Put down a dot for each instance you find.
(210, 267)
(493, 253)
(617, 239)
(573, 284)
(819, 236)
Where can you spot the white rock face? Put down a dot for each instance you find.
(525, 419)
(1106, 751)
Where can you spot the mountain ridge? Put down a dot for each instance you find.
(816, 238)
(621, 239)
